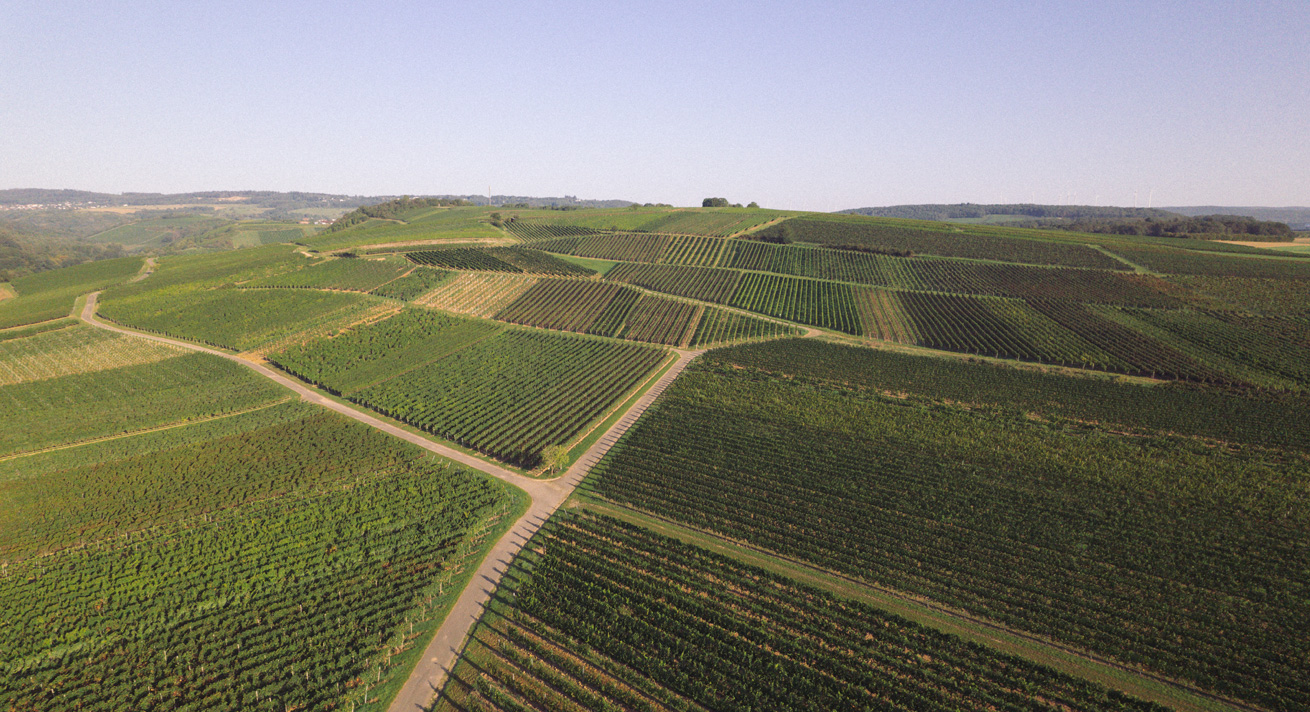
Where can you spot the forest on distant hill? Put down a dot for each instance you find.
(1217, 223)
(23, 254)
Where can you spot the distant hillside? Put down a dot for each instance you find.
(1298, 218)
(961, 211)
(273, 200)
(523, 201)
(23, 253)
(1207, 223)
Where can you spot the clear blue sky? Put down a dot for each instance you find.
(820, 106)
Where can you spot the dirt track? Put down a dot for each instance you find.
(547, 495)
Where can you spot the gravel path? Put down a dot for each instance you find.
(547, 495)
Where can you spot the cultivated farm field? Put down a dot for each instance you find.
(768, 460)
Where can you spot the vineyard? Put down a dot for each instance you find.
(704, 283)
(351, 275)
(204, 271)
(607, 309)
(720, 326)
(656, 320)
(537, 262)
(1109, 465)
(477, 294)
(626, 247)
(22, 332)
(217, 600)
(694, 251)
(1081, 285)
(1162, 259)
(942, 243)
(824, 304)
(1141, 354)
(708, 222)
(516, 393)
(232, 318)
(498, 259)
(939, 275)
(809, 262)
(461, 258)
(50, 295)
(1267, 420)
(562, 304)
(1066, 532)
(76, 349)
(426, 225)
(1273, 359)
(376, 352)
(985, 326)
(418, 282)
(534, 232)
(82, 406)
(1270, 296)
(610, 616)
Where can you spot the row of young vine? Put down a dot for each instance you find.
(1125, 547)
(611, 616)
(516, 393)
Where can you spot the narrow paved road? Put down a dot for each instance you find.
(547, 495)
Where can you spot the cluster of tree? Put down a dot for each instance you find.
(1211, 227)
(723, 203)
(391, 210)
(22, 254)
(956, 211)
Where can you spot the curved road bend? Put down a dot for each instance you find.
(547, 495)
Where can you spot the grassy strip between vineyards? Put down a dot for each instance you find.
(1153, 550)
(598, 614)
(923, 612)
